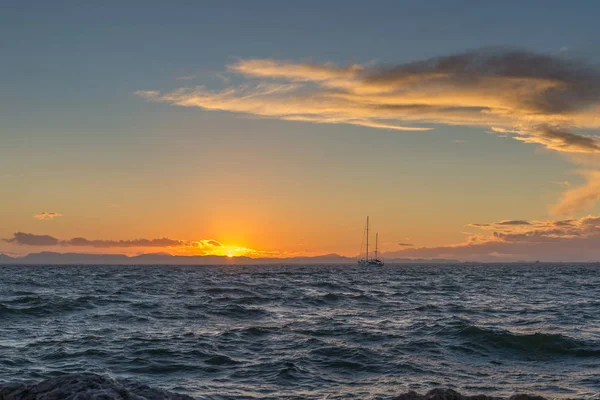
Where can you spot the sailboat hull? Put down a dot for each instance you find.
(370, 263)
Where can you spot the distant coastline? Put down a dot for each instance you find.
(54, 258)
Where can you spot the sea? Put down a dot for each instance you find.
(308, 332)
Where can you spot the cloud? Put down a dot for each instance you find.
(534, 98)
(549, 100)
(549, 240)
(29, 239)
(513, 222)
(192, 247)
(162, 242)
(502, 225)
(580, 198)
(557, 138)
(266, 68)
(405, 244)
(47, 215)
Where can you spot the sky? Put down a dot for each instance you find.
(463, 129)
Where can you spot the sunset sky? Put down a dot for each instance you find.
(463, 129)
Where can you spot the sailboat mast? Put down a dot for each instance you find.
(367, 255)
(376, 242)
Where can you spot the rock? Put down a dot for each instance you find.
(85, 387)
(526, 397)
(441, 394)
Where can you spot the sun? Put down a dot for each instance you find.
(229, 255)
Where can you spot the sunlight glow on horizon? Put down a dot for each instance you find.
(253, 147)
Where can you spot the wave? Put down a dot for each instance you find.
(40, 306)
(238, 311)
(331, 298)
(228, 290)
(346, 359)
(533, 344)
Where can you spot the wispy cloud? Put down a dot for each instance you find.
(580, 198)
(505, 224)
(545, 99)
(512, 222)
(535, 98)
(47, 215)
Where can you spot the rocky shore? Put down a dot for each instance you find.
(97, 387)
(85, 387)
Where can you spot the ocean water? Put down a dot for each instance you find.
(308, 332)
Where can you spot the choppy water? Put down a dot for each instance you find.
(308, 332)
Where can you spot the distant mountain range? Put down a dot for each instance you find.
(52, 258)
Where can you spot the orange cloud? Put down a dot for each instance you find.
(580, 198)
(47, 215)
(294, 72)
(549, 240)
(535, 98)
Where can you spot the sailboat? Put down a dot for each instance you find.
(373, 261)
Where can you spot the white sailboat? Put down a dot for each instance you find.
(370, 261)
